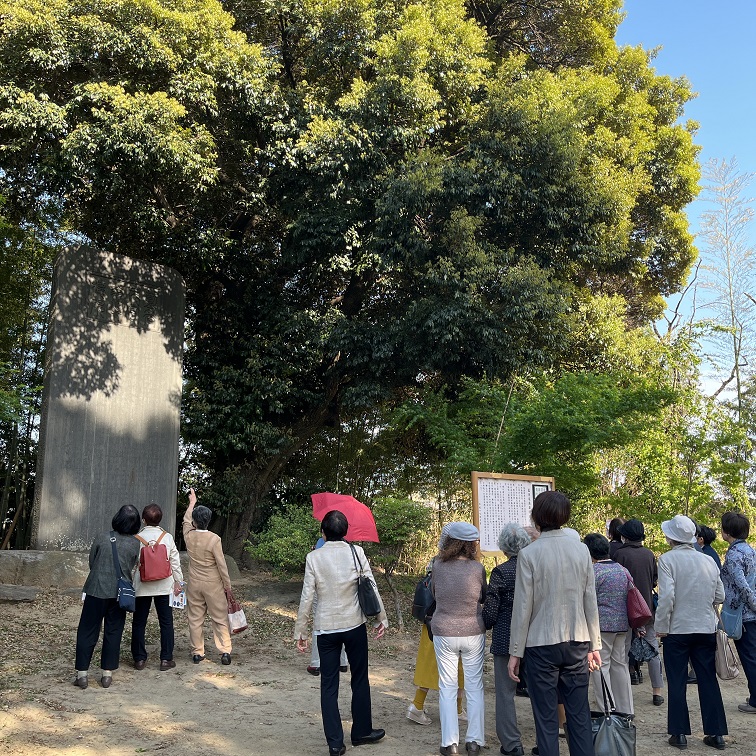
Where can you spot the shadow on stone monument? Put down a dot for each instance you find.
(110, 415)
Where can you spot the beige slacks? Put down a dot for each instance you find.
(207, 598)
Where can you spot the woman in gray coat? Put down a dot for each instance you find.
(101, 597)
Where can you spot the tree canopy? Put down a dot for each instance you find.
(365, 198)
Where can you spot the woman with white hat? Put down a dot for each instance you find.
(459, 587)
(689, 586)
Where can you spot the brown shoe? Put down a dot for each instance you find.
(81, 682)
(105, 681)
(167, 664)
(141, 664)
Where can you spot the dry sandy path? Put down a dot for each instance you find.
(264, 703)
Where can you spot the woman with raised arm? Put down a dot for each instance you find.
(209, 582)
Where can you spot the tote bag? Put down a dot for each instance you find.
(724, 657)
(367, 591)
(613, 732)
(237, 622)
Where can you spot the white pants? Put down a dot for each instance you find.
(449, 651)
(616, 673)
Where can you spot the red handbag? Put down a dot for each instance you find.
(638, 613)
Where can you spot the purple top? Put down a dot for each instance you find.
(613, 582)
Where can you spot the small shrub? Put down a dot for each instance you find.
(287, 539)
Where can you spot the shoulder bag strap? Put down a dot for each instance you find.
(162, 535)
(116, 563)
(141, 540)
(354, 557)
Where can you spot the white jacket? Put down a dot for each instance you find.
(689, 586)
(330, 574)
(162, 587)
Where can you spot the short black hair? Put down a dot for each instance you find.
(708, 534)
(598, 545)
(202, 516)
(335, 525)
(126, 520)
(551, 510)
(736, 525)
(152, 514)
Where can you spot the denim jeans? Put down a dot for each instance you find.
(449, 650)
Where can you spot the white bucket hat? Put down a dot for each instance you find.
(680, 528)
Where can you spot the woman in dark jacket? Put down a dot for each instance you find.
(101, 601)
(497, 614)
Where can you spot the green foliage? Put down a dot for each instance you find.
(400, 522)
(287, 539)
(368, 201)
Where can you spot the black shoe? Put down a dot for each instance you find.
(516, 751)
(450, 750)
(535, 751)
(81, 682)
(522, 692)
(197, 658)
(657, 700)
(373, 737)
(715, 741)
(634, 678)
(678, 741)
(692, 680)
(314, 671)
(226, 659)
(472, 748)
(337, 751)
(640, 675)
(140, 663)
(343, 669)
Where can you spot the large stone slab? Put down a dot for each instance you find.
(13, 594)
(112, 394)
(66, 570)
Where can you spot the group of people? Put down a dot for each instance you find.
(558, 614)
(118, 551)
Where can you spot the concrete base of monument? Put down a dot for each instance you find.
(65, 570)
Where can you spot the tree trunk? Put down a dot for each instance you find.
(397, 602)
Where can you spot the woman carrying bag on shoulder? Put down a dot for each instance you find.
(738, 574)
(101, 596)
(331, 574)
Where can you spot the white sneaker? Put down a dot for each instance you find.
(462, 716)
(418, 715)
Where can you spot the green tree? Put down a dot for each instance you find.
(366, 199)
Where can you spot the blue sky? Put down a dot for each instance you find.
(712, 45)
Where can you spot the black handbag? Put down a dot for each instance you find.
(614, 733)
(367, 592)
(423, 598)
(125, 591)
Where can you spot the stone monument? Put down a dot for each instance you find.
(112, 394)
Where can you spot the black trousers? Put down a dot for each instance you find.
(699, 649)
(746, 646)
(329, 647)
(139, 626)
(94, 611)
(559, 673)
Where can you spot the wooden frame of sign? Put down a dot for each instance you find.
(498, 499)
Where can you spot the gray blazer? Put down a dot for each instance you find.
(555, 594)
(101, 581)
(331, 575)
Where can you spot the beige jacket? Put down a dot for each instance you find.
(207, 564)
(163, 587)
(330, 574)
(689, 586)
(555, 594)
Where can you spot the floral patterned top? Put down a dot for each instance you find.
(613, 582)
(738, 576)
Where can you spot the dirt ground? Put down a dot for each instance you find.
(264, 703)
